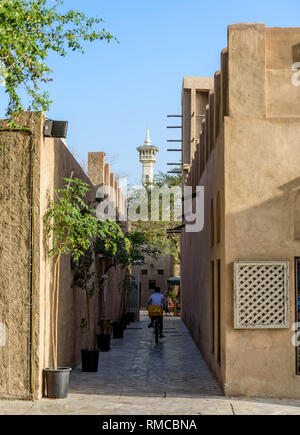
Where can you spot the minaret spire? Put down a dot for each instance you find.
(148, 140)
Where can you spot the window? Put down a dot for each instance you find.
(261, 294)
(219, 313)
(218, 217)
(201, 154)
(207, 147)
(144, 272)
(152, 284)
(160, 272)
(212, 224)
(212, 307)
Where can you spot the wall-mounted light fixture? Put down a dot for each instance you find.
(55, 128)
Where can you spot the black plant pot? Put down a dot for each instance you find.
(103, 342)
(118, 330)
(127, 318)
(125, 321)
(131, 316)
(57, 382)
(90, 360)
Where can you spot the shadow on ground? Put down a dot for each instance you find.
(137, 366)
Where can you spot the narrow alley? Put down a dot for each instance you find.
(139, 377)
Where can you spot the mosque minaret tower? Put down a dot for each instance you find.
(147, 158)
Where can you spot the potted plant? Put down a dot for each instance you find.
(130, 316)
(118, 329)
(103, 339)
(70, 227)
(113, 247)
(83, 279)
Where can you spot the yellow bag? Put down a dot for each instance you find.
(155, 310)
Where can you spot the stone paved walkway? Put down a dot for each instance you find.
(141, 377)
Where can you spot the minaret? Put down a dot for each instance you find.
(147, 158)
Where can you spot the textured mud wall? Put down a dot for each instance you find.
(15, 261)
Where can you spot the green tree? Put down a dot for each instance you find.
(71, 227)
(170, 180)
(84, 280)
(135, 247)
(140, 248)
(112, 239)
(156, 231)
(29, 31)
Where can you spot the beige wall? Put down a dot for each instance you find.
(260, 198)
(254, 165)
(197, 256)
(113, 299)
(110, 298)
(56, 162)
(165, 263)
(260, 220)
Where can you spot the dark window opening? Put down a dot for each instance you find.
(218, 217)
(212, 306)
(144, 272)
(152, 284)
(212, 224)
(219, 313)
(160, 272)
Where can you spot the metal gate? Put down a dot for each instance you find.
(133, 300)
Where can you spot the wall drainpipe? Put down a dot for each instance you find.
(31, 275)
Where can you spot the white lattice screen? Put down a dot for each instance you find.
(261, 294)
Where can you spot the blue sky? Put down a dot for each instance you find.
(113, 92)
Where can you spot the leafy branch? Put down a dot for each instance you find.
(29, 31)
